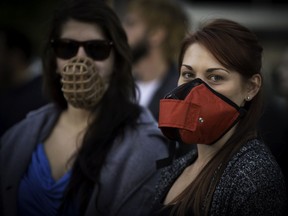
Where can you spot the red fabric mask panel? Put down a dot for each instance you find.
(201, 116)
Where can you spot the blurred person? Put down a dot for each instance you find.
(155, 35)
(274, 122)
(20, 87)
(280, 79)
(217, 104)
(155, 29)
(93, 150)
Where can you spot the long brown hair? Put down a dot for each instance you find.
(236, 48)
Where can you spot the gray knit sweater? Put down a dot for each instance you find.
(252, 183)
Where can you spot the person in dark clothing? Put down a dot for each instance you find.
(217, 106)
(154, 35)
(21, 89)
(93, 150)
(273, 124)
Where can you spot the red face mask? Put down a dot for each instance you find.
(194, 113)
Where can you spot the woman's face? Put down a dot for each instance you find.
(80, 31)
(198, 62)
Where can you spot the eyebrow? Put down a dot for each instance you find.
(208, 70)
(213, 69)
(187, 66)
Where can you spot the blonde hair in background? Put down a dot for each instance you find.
(166, 14)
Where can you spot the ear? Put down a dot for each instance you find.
(253, 86)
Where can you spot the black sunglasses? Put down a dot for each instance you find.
(96, 49)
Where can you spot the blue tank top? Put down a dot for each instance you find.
(39, 193)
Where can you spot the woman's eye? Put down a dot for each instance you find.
(187, 75)
(215, 78)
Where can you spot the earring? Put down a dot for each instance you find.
(247, 98)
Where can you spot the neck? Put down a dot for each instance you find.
(207, 152)
(77, 119)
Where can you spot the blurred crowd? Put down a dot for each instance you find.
(20, 77)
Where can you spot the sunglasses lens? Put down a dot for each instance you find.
(65, 49)
(97, 50)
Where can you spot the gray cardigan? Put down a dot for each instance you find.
(252, 184)
(127, 180)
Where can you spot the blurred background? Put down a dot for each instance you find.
(267, 18)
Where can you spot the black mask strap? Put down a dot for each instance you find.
(167, 161)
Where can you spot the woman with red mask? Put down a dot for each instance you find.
(216, 106)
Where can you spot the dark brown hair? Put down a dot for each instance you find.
(237, 49)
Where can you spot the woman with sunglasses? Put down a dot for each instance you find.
(92, 151)
(216, 106)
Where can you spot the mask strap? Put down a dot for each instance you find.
(242, 112)
(167, 161)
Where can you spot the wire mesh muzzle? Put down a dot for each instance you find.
(82, 85)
